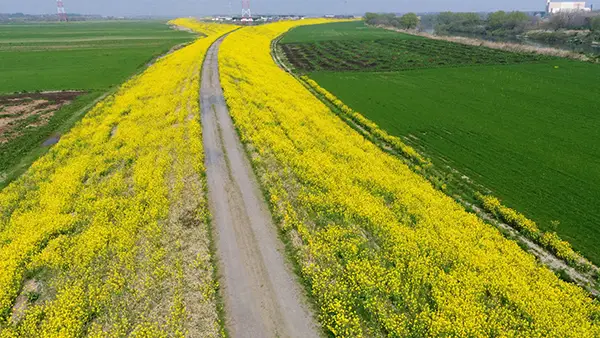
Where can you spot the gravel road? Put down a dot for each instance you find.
(261, 295)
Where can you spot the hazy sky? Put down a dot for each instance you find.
(207, 7)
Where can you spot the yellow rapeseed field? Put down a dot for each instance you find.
(107, 234)
(213, 30)
(382, 251)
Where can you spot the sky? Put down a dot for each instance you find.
(209, 7)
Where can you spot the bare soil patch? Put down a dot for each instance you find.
(29, 294)
(30, 110)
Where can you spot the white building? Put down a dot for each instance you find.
(561, 7)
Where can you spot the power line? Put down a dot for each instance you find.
(60, 9)
(246, 12)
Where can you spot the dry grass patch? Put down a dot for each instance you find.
(20, 111)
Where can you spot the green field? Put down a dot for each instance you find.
(355, 30)
(105, 30)
(86, 55)
(527, 131)
(93, 57)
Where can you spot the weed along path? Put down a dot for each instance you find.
(261, 295)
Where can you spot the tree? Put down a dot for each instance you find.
(496, 20)
(380, 19)
(470, 19)
(571, 20)
(445, 18)
(409, 21)
(517, 21)
(458, 22)
(428, 21)
(595, 24)
(507, 23)
(558, 21)
(370, 17)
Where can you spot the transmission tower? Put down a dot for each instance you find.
(246, 13)
(60, 9)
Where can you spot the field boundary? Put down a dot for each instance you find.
(572, 267)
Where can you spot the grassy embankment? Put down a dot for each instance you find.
(89, 56)
(522, 125)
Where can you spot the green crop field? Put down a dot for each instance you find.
(91, 57)
(527, 130)
(356, 30)
(86, 55)
(394, 54)
(105, 30)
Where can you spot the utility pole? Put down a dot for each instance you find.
(246, 12)
(60, 9)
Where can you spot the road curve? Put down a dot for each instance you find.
(261, 296)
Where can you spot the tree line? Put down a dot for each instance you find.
(406, 21)
(498, 23)
(513, 23)
(575, 21)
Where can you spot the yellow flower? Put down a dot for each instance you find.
(384, 253)
(85, 227)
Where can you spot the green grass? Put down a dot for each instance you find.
(354, 30)
(88, 55)
(69, 69)
(529, 132)
(92, 56)
(87, 30)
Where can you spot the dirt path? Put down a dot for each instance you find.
(261, 295)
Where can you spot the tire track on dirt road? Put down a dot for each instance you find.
(261, 295)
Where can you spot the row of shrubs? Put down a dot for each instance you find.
(549, 240)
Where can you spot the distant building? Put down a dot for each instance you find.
(222, 18)
(562, 7)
